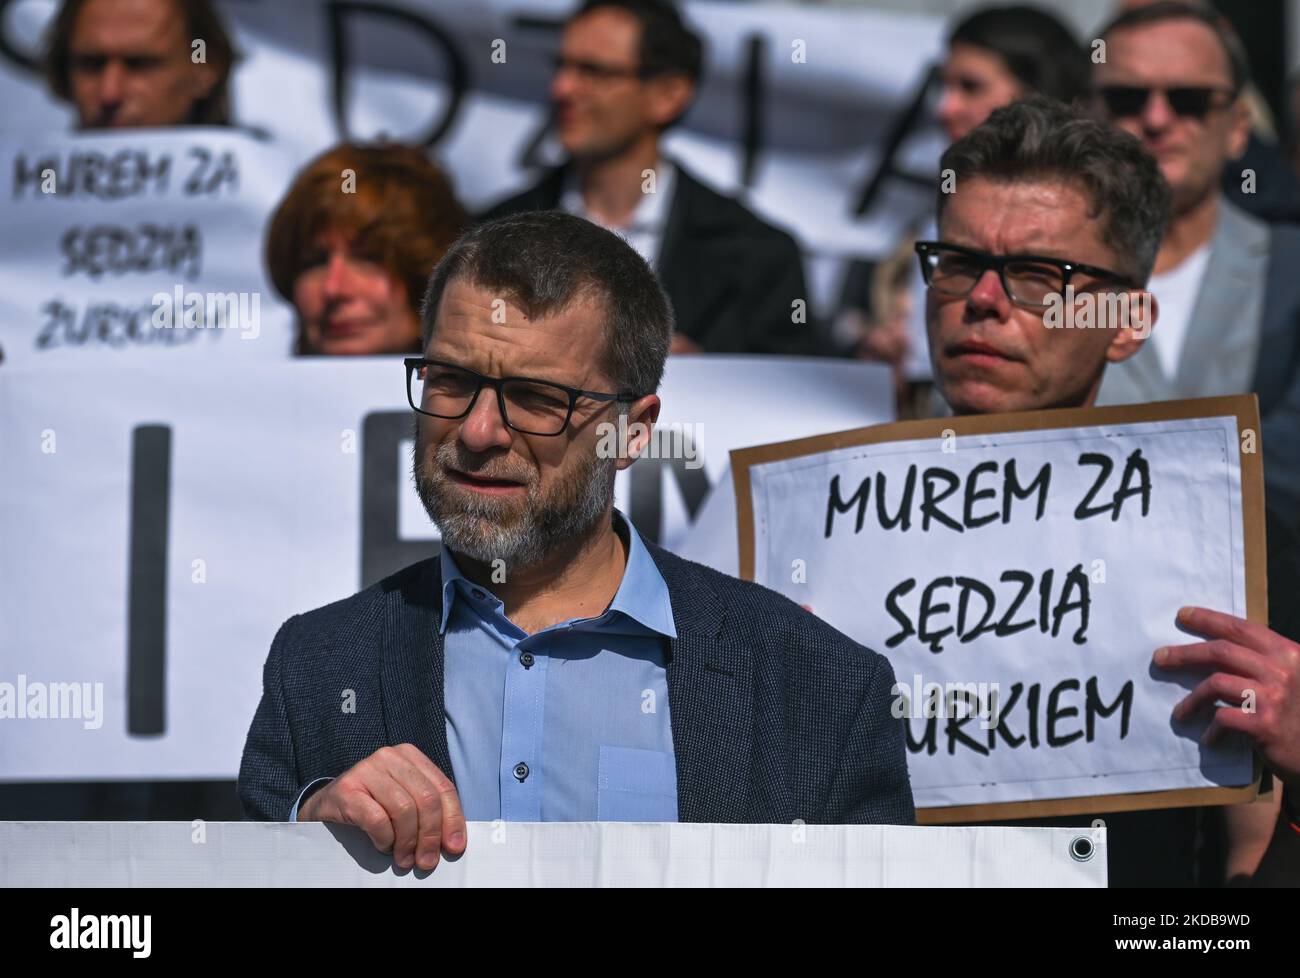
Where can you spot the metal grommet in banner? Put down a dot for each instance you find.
(1082, 848)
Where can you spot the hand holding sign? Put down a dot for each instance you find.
(1253, 670)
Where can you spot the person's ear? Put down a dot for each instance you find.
(641, 418)
(1140, 311)
(669, 95)
(203, 79)
(1239, 128)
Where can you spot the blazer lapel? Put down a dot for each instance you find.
(697, 236)
(411, 666)
(1222, 343)
(710, 700)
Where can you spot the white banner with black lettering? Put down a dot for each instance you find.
(159, 523)
(119, 244)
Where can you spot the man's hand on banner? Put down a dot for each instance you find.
(399, 798)
(1252, 669)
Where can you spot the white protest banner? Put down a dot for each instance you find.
(551, 854)
(1019, 571)
(817, 117)
(159, 525)
(120, 244)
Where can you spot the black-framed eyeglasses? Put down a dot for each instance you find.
(594, 71)
(1189, 101)
(527, 404)
(1028, 280)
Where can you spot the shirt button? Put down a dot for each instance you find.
(521, 771)
(526, 659)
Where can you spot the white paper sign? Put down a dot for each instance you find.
(160, 524)
(1020, 584)
(117, 245)
(552, 854)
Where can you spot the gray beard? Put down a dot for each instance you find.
(486, 529)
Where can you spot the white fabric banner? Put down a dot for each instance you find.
(1020, 584)
(159, 524)
(552, 854)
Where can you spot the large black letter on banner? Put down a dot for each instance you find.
(457, 70)
(146, 624)
(910, 118)
(646, 505)
(10, 51)
(382, 550)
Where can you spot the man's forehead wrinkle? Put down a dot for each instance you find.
(532, 306)
(470, 334)
(1027, 218)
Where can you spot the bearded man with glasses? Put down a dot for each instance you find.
(550, 664)
(1229, 295)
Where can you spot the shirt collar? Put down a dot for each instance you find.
(651, 211)
(642, 594)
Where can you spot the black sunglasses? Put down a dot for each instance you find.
(1189, 101)
(1029, 280)
(527, 404)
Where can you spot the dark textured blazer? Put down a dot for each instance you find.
(731, 277)
(775, 715)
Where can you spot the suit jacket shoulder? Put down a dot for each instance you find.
(736, 281)
(342, 681)
(711, 210)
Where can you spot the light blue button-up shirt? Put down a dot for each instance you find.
(570, 723)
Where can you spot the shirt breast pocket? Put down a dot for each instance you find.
(636, 785)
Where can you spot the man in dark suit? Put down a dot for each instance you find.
(626, 72)
(1036, 179)
(551, 664)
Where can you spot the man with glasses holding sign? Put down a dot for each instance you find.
(1054, 215)
(1229, 296)
(550, 664)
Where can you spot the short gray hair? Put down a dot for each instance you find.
(1039, 139)
(543, 262)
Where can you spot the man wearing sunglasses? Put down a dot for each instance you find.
(550, 664)
(1047, 201)
(626, 72)
(1226, 282)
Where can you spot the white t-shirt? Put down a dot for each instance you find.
(1176, 291)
